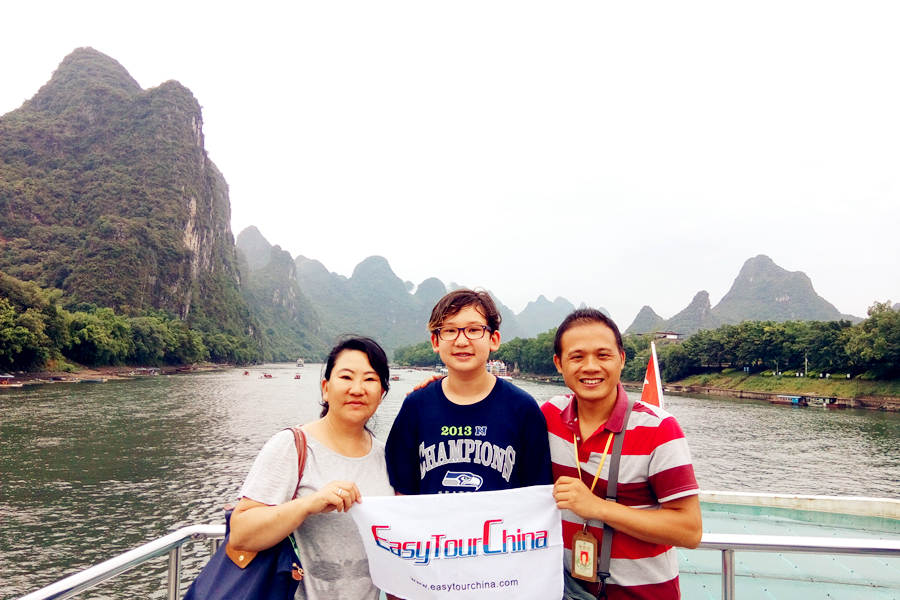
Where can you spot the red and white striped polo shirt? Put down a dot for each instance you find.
(655, 467)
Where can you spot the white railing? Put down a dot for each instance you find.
(727, 544)
(171, 544)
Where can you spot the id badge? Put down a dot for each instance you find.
(584, 556)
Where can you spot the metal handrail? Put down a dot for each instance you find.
(815, 545)
(726, 543)
(75, 584)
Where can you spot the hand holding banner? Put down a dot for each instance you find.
(498, 544)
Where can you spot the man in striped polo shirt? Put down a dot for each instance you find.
(657, 505)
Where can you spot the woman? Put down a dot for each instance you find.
(344, 462)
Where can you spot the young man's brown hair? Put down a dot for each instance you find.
(457, 300)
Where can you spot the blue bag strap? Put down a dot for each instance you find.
(274, 573)
(242, 558)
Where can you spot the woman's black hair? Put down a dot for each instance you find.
(373, 351)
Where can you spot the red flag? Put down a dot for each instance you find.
(652, 392)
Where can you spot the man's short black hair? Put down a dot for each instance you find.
(581, 316)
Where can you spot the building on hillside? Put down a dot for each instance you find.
(667, 335)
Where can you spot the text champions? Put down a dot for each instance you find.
(494, 540)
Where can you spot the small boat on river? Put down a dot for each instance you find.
(6, 381)
(789, 400)
(144, 372)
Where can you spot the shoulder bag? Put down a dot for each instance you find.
(271, 574)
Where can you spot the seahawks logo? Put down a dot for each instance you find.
(462, 479)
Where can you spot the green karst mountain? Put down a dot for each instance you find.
(542, 315)
(646, 321)
(762, 291)
(113, 217)
(107, 193)
(696, 316)
(254, 248)
(373, 301)
(290, 325)
(510, 325)
(427, 294)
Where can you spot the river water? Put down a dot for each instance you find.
(88, 471)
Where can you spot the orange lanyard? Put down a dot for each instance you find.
(602, 458)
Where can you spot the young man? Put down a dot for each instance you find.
(469, 431)
(657, 505)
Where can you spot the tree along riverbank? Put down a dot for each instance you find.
(848, 393)
(852, 393)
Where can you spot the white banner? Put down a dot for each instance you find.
(504, 544)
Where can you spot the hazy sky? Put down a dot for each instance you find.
(617, 154)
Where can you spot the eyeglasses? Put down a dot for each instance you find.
(450, 334)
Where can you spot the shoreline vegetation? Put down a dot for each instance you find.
(103, 374)
(847, 393)
(852, 393)
(870, 395)
(837, 364)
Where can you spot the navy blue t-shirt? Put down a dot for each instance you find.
(498, 443)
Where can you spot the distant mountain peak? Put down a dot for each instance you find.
(139, 214)
(696, 316)
(256, 248)
(759, 266)
(700, 300)
(373, 266)
(430, 291)
(762, 291)
(310, 264)
(646, 321)
(648, 310)
(541, 315)
(84, 76)
(90, 65)
(762, 260)
(765, 291)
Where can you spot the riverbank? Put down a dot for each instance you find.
(109, 373)
(850, 393)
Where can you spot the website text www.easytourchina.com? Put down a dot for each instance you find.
(457, 586)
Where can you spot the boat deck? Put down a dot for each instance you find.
(855, 565)
(765, 575)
